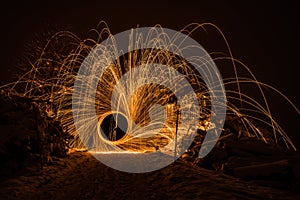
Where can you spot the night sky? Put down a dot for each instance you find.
(264, 36)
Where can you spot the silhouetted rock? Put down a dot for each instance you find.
(239, 154)
(28, 137)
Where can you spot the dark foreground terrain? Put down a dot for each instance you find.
(81, 176)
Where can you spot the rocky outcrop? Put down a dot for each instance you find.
(29, 138)
(248, 158)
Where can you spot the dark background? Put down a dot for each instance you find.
(264, 35)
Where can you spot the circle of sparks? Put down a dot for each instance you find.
(169, 140)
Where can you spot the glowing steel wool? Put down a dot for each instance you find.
(141, 89)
